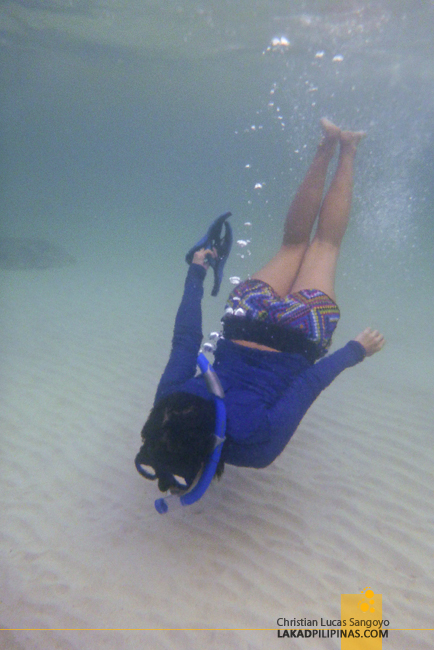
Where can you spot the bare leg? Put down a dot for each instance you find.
(282, 270)
(318, 267)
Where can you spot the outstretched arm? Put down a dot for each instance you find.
(187, 334)
(287, 413)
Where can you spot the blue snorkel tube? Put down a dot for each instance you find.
(214, 386)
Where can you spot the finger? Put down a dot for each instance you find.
(379, 343)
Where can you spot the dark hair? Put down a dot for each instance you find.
(178, 436)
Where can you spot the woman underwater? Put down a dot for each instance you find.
(269, 361)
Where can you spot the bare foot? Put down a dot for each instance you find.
(330, 130)
(351, 138)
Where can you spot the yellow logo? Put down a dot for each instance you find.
(367, 605)
(362, 621)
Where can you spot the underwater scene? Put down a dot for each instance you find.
(127, 126)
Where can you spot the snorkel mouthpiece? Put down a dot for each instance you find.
(197, 491)
(161, 506)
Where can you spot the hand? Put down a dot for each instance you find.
(371, 340)
(201, 257)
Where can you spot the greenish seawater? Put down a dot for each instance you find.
(128, 127)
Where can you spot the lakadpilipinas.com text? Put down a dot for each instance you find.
(330, 628)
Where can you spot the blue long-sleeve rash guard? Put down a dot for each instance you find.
(266, 393)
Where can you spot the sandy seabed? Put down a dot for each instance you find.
(347, 506)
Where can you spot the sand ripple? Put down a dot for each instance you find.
(347, 506)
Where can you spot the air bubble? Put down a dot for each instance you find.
(278, 44)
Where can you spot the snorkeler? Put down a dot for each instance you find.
(277, 327)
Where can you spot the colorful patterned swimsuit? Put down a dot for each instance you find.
(300, 322)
